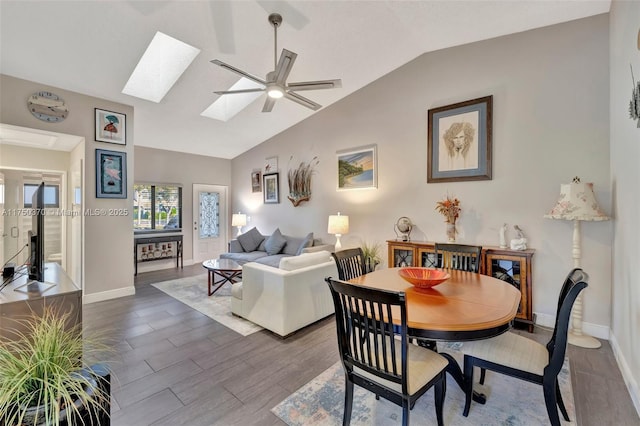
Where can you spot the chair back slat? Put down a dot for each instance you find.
(458, 256)
(350, 263)
(366, 331)
(576, 281)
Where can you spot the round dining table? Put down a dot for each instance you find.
(467, 306)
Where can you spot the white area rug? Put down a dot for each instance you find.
(510, 402)
(192, 291)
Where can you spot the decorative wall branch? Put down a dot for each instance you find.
(300, 181)
(634, 105)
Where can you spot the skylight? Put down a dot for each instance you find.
(227, 106)
(164, 61)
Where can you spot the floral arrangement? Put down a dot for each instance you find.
(449, 208)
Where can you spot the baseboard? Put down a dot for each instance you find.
(595, 330)
(108, 295)
(632, 385)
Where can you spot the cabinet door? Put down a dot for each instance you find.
(427, 258)
(512, 269)
(400, 255)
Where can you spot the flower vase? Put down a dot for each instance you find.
(451, 232)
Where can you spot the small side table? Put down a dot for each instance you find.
(226, 269)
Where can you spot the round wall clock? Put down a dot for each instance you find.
(48, 107)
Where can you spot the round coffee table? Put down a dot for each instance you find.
(226, 269)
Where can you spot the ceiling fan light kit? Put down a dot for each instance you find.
(275, 84)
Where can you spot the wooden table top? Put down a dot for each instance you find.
(465, 307)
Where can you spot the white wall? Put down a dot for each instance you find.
(625, 155)
(108, 254)
(550, 94)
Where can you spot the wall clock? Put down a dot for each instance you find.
(48, 107)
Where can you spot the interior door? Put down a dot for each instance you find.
(209, 221)
(13, 208)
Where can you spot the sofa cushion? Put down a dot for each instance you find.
(275, 242)
(273, 261)
(242, 258)
(306, 259)
(307, 242)
(250, 240)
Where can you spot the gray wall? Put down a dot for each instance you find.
(550, 94)
(108, 239)
(625, 178)
(160, 166)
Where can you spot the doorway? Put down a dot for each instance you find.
(209, 221)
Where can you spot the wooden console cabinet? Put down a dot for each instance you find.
(513, 266)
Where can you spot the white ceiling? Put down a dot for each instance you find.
(92, 47)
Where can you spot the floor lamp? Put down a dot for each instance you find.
(337, 226)
(577, 202)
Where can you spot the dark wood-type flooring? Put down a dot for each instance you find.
(176, 366)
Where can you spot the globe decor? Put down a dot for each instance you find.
(450, 209)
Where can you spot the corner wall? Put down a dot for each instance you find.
(624, 21)
(550, 109)
(108, 240)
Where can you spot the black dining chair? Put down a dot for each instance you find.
(523, 358)
(375, 351)
(461, 257)
(350, 263)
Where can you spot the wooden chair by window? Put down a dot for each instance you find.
(350, 263)
(458, 256)
(372, 356)
(520, 357)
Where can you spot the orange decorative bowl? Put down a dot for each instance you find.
(424, 277)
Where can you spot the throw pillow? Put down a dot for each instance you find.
(307, 242)
(250, 240)
(275, 243)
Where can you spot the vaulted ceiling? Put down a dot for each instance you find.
(92, 47)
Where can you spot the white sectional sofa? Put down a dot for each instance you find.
(287, 298)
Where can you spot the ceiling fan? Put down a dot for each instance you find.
(275, 83)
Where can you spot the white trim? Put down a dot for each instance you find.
(595, 330)
(623, 366)
(108, 295)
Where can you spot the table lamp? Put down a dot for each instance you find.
(577, 202)
(338, 225)
(239, 220)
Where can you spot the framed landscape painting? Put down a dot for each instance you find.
(111, 127)
(271, 190)
(256, 181)
(459, 141)
(357, 168)
(111, 174)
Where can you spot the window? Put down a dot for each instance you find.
(157, 207)
(51, 195)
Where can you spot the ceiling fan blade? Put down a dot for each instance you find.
(292, 96)
(285, 63)
(231, 92)
(268, 104)
(238, 71)
(315, 85)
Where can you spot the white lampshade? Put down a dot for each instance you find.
(338, 224)
(239, 219)
(577, 202)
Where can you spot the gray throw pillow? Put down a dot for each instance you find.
(308, 242)
(275, 243)
(250, 240)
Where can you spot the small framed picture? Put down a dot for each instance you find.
(256, 181)
(111, 127)
(271, 165)
(357, 168)
(111, 174)
(271, 188)
(459, 141)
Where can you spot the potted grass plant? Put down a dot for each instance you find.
(44, 374)
(371, 254)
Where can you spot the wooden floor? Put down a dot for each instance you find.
(175, 366)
